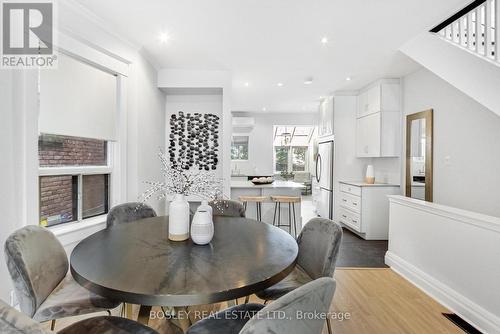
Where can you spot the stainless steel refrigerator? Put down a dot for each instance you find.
(324, 179)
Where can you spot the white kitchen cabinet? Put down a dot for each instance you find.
(364, 208)
(325, 126)
(378, 121)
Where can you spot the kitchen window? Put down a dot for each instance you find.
(291, 148)
(239, 148)
(74, 178)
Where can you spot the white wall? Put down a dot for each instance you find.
(260, 149)
(146, 131)
(466, 143)
(451, 254)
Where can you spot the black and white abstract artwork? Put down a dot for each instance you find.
(194, 141)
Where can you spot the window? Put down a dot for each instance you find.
(239, 148)
(291, 148)
(74, 178)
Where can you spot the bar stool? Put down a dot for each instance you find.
(291, 200)
(258, 200)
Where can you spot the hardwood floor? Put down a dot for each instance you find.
(374, 300)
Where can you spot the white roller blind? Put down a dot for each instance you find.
(77, 99)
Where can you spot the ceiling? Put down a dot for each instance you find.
(266, 42)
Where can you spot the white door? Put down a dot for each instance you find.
(324, 165)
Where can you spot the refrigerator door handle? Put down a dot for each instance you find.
(318, 165)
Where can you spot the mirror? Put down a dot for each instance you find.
(419, 130)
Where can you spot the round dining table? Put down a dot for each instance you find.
(136, 263)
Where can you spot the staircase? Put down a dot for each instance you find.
(463, 51)
(475, 28)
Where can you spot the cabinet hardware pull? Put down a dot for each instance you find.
(354, 203)
(344, 200)
(344, 216)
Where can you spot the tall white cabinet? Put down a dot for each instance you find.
(378, 120)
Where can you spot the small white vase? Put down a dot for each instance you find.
(202, 227)
(206, 207)
(178, 220)
(370, 175)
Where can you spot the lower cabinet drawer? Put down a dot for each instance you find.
(351, 219)
(351, 202)
(348, 188)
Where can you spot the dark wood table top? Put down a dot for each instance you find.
(136, 263)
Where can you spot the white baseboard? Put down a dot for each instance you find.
(476, 315)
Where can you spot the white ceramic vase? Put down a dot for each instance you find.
(178, 220)
(202, 227)
(370, 175)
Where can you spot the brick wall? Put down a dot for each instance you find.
(56, 197)
(71, 151)
(56, 192)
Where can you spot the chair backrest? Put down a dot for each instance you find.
(37, 263)
(319, 244)
(227, 208)
(284, 314)
(14, 322)
(129, 212)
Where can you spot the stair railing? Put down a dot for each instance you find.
(475, 28)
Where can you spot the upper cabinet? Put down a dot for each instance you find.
(325, 126)
(378, 120)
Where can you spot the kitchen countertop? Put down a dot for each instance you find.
(364, 184)
(275, 184)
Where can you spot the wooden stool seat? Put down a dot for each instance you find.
(256, 199)
(290, 200)
(286, 199)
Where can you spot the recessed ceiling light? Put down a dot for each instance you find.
(279, 84)
(324, 40)
(348, 79)
(264, 109)
(164, 38)
(308, 81)
(247, 84)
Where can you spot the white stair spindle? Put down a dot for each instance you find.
(479, 47)
(497, 30)
(487, 29)
(470, 30)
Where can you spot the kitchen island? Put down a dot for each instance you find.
(282, 188)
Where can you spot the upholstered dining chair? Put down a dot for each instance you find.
(129, 212)
(38, 267)
(281, 316)
(227, 208)
(15, 322)
(319, 244)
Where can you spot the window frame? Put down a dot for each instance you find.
(81, 171)
(248, 147)
(290, 159)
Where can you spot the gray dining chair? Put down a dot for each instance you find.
(319, 244)
(227, 208)
(15, 322)
(281, 316)
(38, 267)
(129, 212)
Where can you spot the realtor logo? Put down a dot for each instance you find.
(28, 34)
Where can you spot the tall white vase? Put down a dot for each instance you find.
(178, 220)
(370, 175)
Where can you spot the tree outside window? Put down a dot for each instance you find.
(239, 148)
